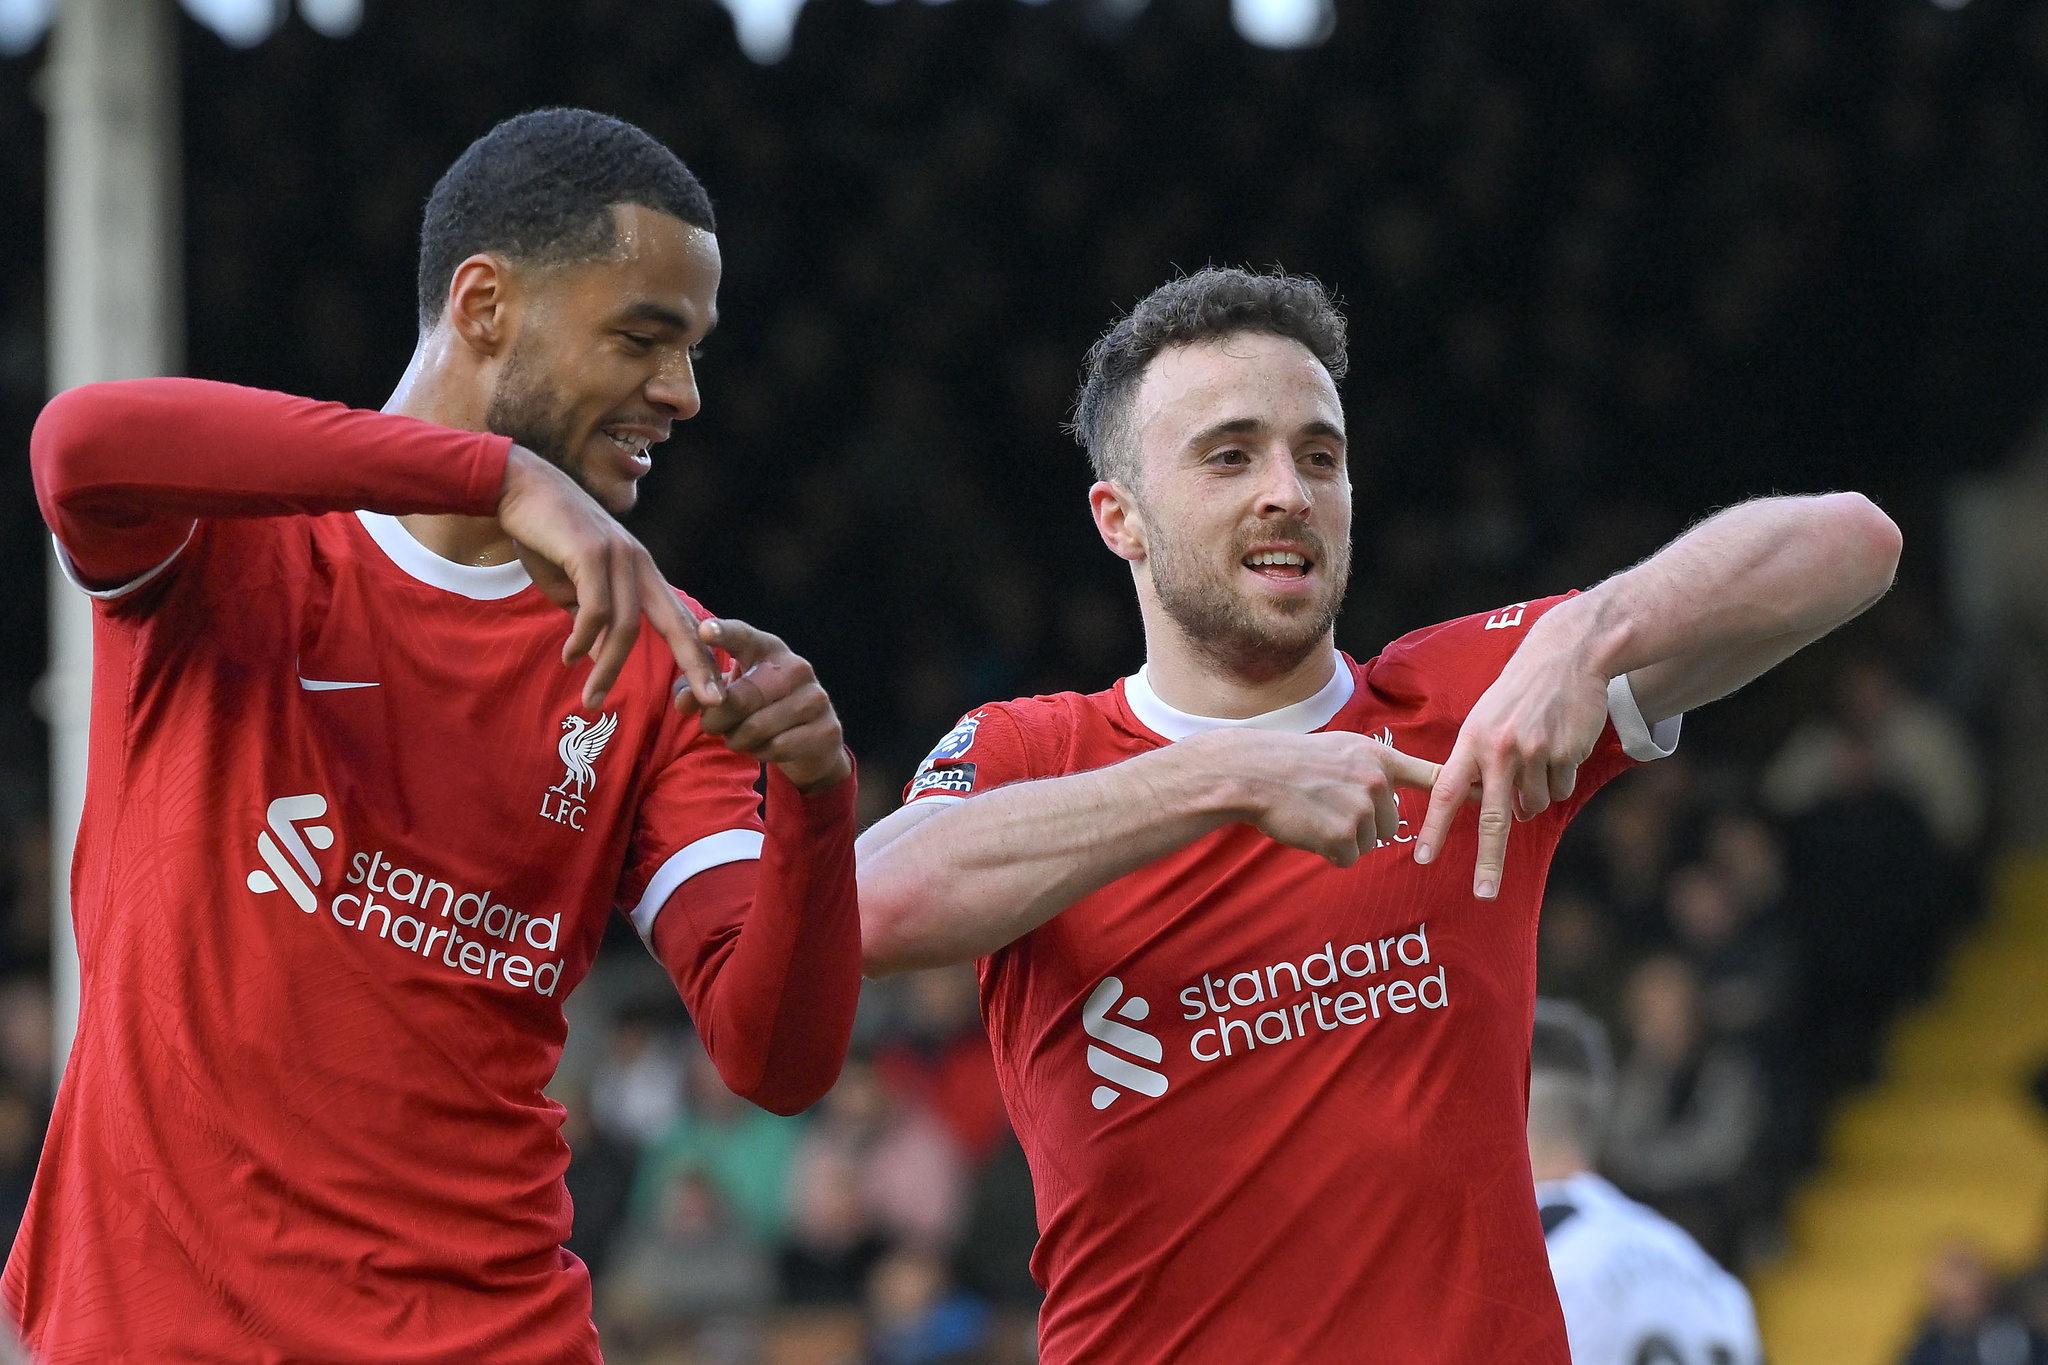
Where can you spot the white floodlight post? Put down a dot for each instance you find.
(116, 312)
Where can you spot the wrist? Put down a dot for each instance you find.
(1591, 628)
(1206, 775)
(818, 777)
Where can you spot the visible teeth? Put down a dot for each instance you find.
(1278, 557)
(625, 442)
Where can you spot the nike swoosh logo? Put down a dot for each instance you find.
(316, 685)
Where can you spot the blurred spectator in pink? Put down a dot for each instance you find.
(871, 1172)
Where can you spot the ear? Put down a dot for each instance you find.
(480, 299)
(1119, 519)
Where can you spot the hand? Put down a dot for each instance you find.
(774, 708)
(590, 566)
(1521, 746)
(1330, 794)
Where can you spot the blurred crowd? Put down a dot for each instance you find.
(892, 1224)
(1747, 932)
(1608, 265)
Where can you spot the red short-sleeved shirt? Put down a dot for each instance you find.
(1274, 1109)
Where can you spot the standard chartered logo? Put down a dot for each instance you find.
(1120, 1070)
(286, 815)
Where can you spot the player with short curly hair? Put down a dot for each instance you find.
(1270, 1070)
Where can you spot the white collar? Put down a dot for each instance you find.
(1304, 717)
(480, 582)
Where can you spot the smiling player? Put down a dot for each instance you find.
(353, 831)
(1270, 1070)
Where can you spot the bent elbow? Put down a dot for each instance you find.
(1873, 541)
(80, 436)
(788, 1088)
(793, 1097)
(884, 945)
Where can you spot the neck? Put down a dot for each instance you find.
(1187, 679)
(432, 390)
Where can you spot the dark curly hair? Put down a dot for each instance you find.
(540, 188)
(1208, 305)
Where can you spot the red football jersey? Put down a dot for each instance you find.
(349, 841)
(1274, 1108)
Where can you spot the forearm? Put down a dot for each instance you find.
(984, 872)
(771, 971)
(1733, 596)
(123, 469)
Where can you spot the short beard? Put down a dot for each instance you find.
(1224, 628)
(532, 413)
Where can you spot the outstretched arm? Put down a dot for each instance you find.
(1728, 600)
(125, 471)
(951, 882)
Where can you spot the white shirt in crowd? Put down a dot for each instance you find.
(1636, 1289)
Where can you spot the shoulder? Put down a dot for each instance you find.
(1454, 661)
(1010, 741)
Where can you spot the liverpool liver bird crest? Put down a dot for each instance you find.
(579, 750)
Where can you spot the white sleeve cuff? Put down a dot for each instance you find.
(713, 850)
(109, 594)
(1641, 741)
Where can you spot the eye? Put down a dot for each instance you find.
(1232, 457)
(696, 353)
(639, 341)
(1323, 459)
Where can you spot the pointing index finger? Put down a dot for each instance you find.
(1448, 794)
(677, 626)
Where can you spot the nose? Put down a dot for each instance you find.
(1282, 492)
(673, 390)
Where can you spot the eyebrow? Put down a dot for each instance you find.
(659, 314)
(1245, 426)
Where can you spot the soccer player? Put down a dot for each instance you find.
(1270, 1069)
(1636, 1290)
(353, 830)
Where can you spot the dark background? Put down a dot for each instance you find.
(1607, 268)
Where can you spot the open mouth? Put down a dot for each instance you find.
(630, 441)
(1279, 564)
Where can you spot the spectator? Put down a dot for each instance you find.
(871, 1172)
(740, 1152)
(1743, 965)
(1965, 1325)
(916, 1317)
(1917, 750)
(636, 1094)
(693, 1260)
(1866, 896)
(940, 1059)
(1687, 1110)
(600, 1181)
(1576, 955)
